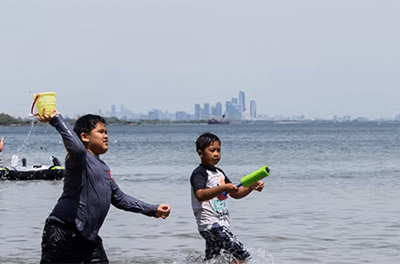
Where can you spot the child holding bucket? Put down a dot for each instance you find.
(209, 184)
(71, 231)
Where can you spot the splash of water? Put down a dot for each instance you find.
(14, 161)
(26, 139)
(258, 256)
(31, 93)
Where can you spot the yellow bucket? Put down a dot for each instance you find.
(46, 100)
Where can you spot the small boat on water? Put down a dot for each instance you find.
(214, 121)
(217, 122)
(36, 172)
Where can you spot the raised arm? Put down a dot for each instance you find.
(74, 146)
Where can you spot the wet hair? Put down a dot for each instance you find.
(205, 140)
(87, 123)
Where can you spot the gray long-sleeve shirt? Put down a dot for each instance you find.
(89, 188)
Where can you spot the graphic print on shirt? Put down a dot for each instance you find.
(220, 204)
(109, 174)
(222, 196)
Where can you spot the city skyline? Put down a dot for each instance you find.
(296, 58)
(215, 111)
(234, 109)
(237, 106)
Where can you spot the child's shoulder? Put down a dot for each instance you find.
(198, 169)
(201, 171)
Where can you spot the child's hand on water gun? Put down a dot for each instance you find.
(258, 186)
(163, 211)
(231, 188)
(47, 117)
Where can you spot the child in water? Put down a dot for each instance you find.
(209, 202)
(71, 231)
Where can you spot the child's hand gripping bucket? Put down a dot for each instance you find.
(46, 100)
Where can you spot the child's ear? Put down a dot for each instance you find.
(84, 137)
(200, 152)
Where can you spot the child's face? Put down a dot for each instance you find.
(211, 154)
(97, 140)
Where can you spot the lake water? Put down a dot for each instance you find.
(332, 196)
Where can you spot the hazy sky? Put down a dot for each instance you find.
(313, 58)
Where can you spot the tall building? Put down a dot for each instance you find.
(217, 110)
(181, 115)
(232, 109)
(157, 114)
(228, 108)
(235, 101)
(242, 100)
(253, 108)
(113, 111)
(197, 111)
(154, 114)
(206, 110)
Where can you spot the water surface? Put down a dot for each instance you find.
(331, 197)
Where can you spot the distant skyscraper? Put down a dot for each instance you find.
(242, 100)
(113, 111)
(197, 111)
(218, 109)
(232, 110)
(154, 114)
(181, 115)
(253, 109)
(206, 110)
(234, 101)
(228, 108)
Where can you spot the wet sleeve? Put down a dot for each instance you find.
(74, 146)
(128, 203)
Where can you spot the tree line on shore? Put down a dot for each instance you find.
(7, 120)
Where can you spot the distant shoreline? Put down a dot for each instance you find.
(7, 120)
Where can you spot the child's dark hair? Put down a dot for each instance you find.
(87, 123)
(205, 140)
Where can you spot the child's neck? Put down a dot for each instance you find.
(207, 165)
(94, 154)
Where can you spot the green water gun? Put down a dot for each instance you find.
(253, 177)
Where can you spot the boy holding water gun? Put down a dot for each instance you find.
(210, 189)
(71, 231)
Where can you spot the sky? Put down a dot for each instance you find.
(313, 58)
